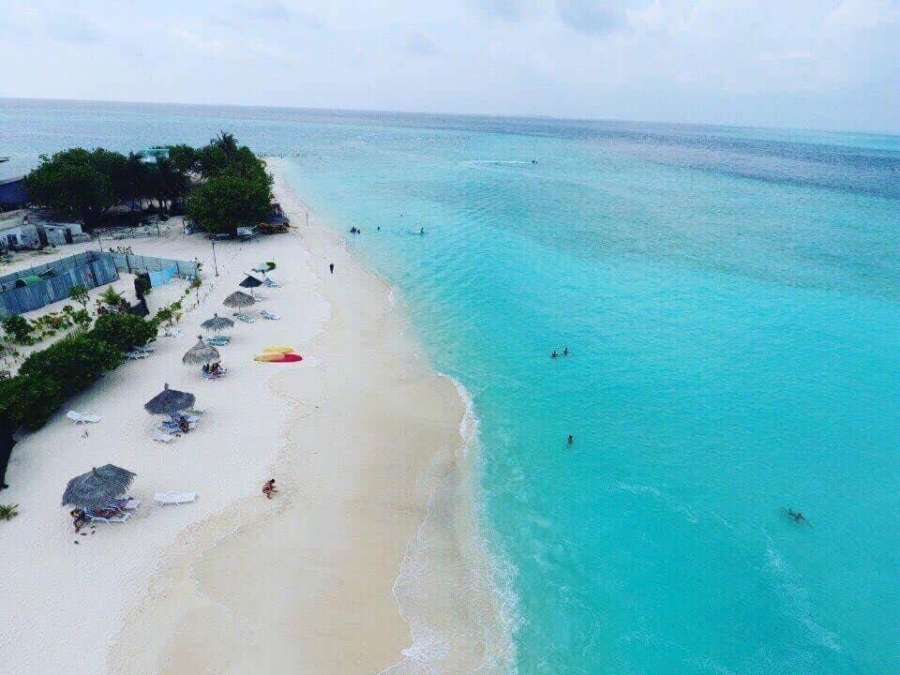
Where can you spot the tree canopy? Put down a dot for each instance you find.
(235, 188)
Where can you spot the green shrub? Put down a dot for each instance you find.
(8, 511)
(17, 327)
(30, 400)
(75, 362)
(79, 293)
(124, 332)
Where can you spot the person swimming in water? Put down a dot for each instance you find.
(554, 354)
(570, 440)
(422, 231)
(566, 351)
(798, 517)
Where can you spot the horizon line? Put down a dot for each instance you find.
(498, 116)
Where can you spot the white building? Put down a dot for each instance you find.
(18, 230)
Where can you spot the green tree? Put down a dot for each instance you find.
(123, 331)
(17, 328)
(227, 202)
(184, 158)
(77, 182)
(30, 400)
(75, 362)
(79, 293)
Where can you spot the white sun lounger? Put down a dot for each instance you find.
(82, 418)
(116, 519)
(162, 436)
(136, 355)
(268, 315)
(174, 497)
(243, 317)
(173, 332)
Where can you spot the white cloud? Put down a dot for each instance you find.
(757, 61)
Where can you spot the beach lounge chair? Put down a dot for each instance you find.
(173, 332)
(146, 349)
(162, 436)
(270, 283)
(136, 355)
(243, 317)
(107, 515)
(268, 315)
(82, 418)
(164, 498)
(218, 340)
(126, 504)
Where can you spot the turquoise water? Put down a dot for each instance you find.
(731, 300)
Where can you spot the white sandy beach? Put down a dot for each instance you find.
(358, 436)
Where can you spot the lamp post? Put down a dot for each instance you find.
(215, 262)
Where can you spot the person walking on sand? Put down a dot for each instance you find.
(269, 488)
(331, 268)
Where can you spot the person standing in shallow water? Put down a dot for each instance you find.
(570, 440)
(331, 268)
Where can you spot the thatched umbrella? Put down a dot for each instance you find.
(169, 402)
(97, 487)
(239, 300)
(217, 323)
(200, 353)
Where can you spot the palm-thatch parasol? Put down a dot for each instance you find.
(200, 353)
(169, 402)
(239, 300)
(217, 323)
(97, 487)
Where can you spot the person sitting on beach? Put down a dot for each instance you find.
(184, 425)
(215, 369)
(79, 519)
(269, 488)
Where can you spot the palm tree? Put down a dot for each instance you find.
(227, 143)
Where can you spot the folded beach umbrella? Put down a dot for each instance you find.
(217, 323)
(97, 487)
(239, 300)
(169, 402)
(200, 353)
(250, 282)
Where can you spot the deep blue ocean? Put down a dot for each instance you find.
(731, 302)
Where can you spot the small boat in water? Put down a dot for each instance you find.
(4, 159)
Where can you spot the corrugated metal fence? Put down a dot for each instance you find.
(138, 264)
(90, 269)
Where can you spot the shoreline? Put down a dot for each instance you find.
(360, 436)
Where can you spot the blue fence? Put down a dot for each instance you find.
(21, 292)
(138, 264)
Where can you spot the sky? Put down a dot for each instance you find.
(826, 64)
